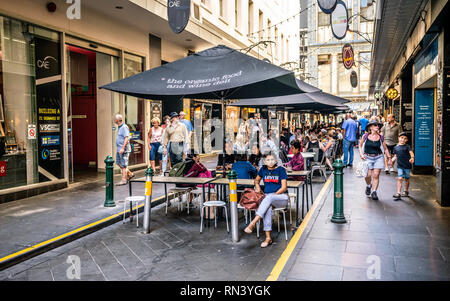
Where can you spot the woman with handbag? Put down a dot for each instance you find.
(372, 149)
(155, 139)
(275, 187)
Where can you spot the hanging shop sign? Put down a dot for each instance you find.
(392, 93)
(348, 56)
(339, 20)
(178, 12)
(327, 6)
(354, 79)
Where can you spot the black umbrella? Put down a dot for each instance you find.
(216, 73)
(319, 101)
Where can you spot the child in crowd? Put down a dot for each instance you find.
(405, 158)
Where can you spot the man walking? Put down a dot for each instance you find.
(390, 131)
(123, 149)
(349, 127)
(189, 128)
(176, 133)
(363, 123)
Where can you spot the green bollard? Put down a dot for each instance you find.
(109, 202)
(338, 211)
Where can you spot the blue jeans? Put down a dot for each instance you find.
(348, 148)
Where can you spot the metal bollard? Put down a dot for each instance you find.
(109, 201)
(148, 199)
(338, 211)
(232, 176)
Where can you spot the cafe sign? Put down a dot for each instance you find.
(392, 93)
(327, 6)
(178, 12)
(339, 20)
(354, 79)
(348, 56)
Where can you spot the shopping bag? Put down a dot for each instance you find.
(362, 169)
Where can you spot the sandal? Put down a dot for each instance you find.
(266, 243)
(397, 196)
(249, 228)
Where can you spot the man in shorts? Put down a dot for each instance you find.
(123, 149)
(405, 159)
(391, 130)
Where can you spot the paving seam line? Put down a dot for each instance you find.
(50, 244)
(285, 256)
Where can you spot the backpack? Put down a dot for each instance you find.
(178, 169)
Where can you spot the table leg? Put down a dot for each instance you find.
(310, 186)
(165, 191)
(131, 205)
(204, 200)
(303, 201)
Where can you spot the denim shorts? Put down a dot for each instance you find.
(404, 173)
(122, 159)
(375, 162)
(154, 151)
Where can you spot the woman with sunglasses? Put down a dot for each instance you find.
(372, 148)
(275, 187)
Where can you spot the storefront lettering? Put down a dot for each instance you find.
(74, 10)
(201, 83)
(174, 3)
(45, 63)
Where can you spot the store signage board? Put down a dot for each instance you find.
(392, 93)
(348, 56)
(327, 6)
(178, 12)
(354, 79)
(339, 20)
(424, 127)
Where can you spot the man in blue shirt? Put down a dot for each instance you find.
(123, 149)
(363, 121)
(243, 168)
(349, 127)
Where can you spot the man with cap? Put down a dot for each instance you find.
(189, 128)
(390, 130)
(176, 133)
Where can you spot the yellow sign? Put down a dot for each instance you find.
(392, 93)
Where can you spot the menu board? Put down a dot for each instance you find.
(424, 127)
(49, 106)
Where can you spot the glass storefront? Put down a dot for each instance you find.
(31, 140)
(135, 112)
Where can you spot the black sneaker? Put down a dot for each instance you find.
(405, 194)
(397, 197)
(368, 188)
(374, 196)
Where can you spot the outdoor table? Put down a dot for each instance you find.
(174, 180)
(223, 182)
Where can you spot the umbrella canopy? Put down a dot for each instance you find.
(216, 73)
(319, 101)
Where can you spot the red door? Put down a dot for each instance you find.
(84, 115)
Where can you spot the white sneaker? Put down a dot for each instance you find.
(392, 169)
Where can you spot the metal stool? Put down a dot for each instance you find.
(282, 210)
(213, 204)
(195, 195)
(292, 201)
(136, 200)
(178, 193)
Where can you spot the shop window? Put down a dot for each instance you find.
(364, 71)
(324, 72)
(135, 112)
(30, 126)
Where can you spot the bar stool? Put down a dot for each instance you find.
(133, 200)
(178, 194)
(291, 203)
(213, 204)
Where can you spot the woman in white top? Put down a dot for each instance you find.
(155, 139)
(240, 147)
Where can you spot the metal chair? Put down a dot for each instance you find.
(282, 210)
(211, 204)
(316, 165)
(133, 200)
(178, 192)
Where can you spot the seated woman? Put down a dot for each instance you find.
(229, 157)
(275, 188)
(243, 168)
(255, 157)
(327, 148)
(314, 144)
(297, 162)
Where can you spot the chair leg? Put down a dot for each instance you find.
(201, 219)
(137, 215)
(167, 204)
(278, 219)
(215, 218)
(257, 228)
(285, 229)
(124, 211)
(226, 218)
